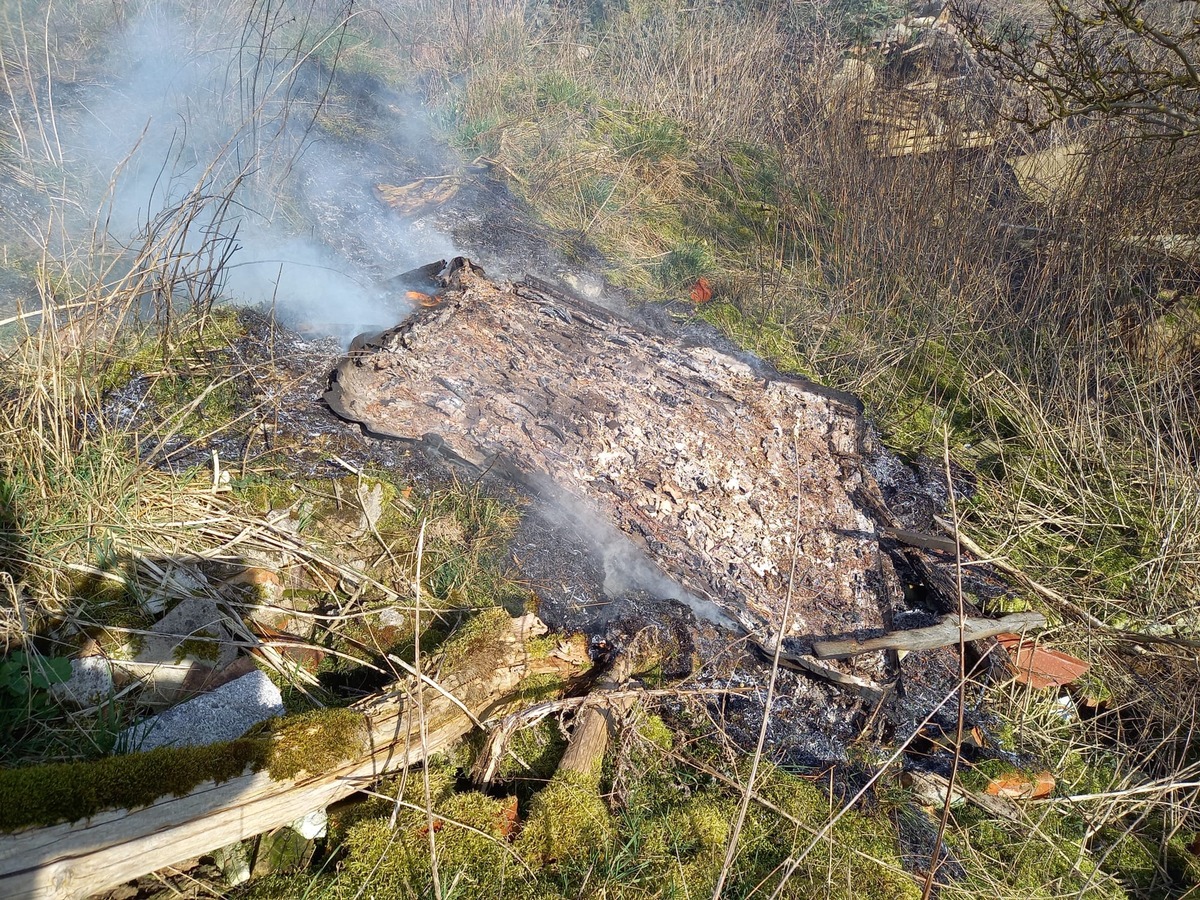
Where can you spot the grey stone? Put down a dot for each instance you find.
(194, 635)
(177, 582)
(90, 683)
(222, 715)
(389, 615)
(311, 826)
(281, 850)
(234, 862)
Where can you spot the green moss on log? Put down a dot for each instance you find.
(478, 642)
(316, 742)
(45, 795)
(67, 792)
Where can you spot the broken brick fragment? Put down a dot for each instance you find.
(1021, 786)
(1041, 667)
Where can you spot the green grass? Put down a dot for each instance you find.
(193, 369)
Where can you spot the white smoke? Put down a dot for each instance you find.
(627, 568)
(202, 114)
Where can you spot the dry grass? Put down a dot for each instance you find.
(89, 521)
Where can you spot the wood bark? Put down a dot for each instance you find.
(77, 859)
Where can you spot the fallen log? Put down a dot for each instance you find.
(943, 634)
(76, 859)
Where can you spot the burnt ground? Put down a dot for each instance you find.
(812, 721)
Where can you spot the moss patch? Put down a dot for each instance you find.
(204, 645)
(192, 367)
(567, 820)
(44, 795)
(396, 861)
(540, 747)
(858, 858)
(316, 741)
(1056, 867)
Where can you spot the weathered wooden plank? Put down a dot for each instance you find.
(943, 634)
(76, 859)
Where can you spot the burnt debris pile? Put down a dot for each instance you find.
(741, 502)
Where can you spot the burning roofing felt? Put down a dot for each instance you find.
(742, 490)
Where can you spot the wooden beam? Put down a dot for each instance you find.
(73, 860)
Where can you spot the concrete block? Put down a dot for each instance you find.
(91, 682)
(222, 715)
(184, 646)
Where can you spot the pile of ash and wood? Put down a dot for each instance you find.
(745, 516)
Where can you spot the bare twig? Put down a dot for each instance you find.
(936, 859)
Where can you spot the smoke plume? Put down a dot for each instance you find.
(204, 148)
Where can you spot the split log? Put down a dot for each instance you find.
(945, 633)
(77, 859)
(919, 539)
(595, 723)
(487, 764)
